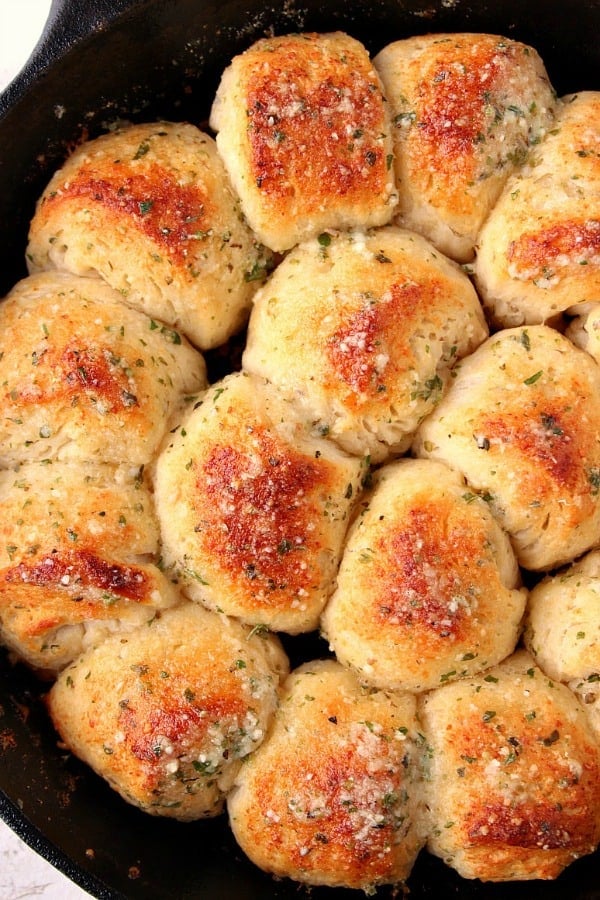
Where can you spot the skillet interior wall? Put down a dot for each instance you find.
(162, 58)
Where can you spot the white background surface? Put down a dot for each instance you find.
(21, 23)
(23, 874)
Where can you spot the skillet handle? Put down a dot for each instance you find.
(71, 20)
(68, 23)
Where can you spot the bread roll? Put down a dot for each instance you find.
(466, 108)
(584, 328)
(563, 621)
(361, 331)
(427, 587)
(332, 796)
(304, 131)
(253, 507)
(85, 376)
(166, 714)
(149, 208)
(562, 630)
(514, 774)
(539, 251)
(78, 558)
(521, 422)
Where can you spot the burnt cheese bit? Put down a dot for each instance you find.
(171, 214)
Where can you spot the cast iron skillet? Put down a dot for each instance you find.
(100, 60)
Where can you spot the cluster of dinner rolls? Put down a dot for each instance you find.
(404, 460)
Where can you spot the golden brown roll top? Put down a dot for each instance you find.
(150, 209)
(514, 774)
(539, 252)
(78, 558)
(332, 796)
(361, 330)
(85, 376)
(427, 587)
(166, 714)
(465, 109)
(253, 507)
(521, 421)
(305, 134)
